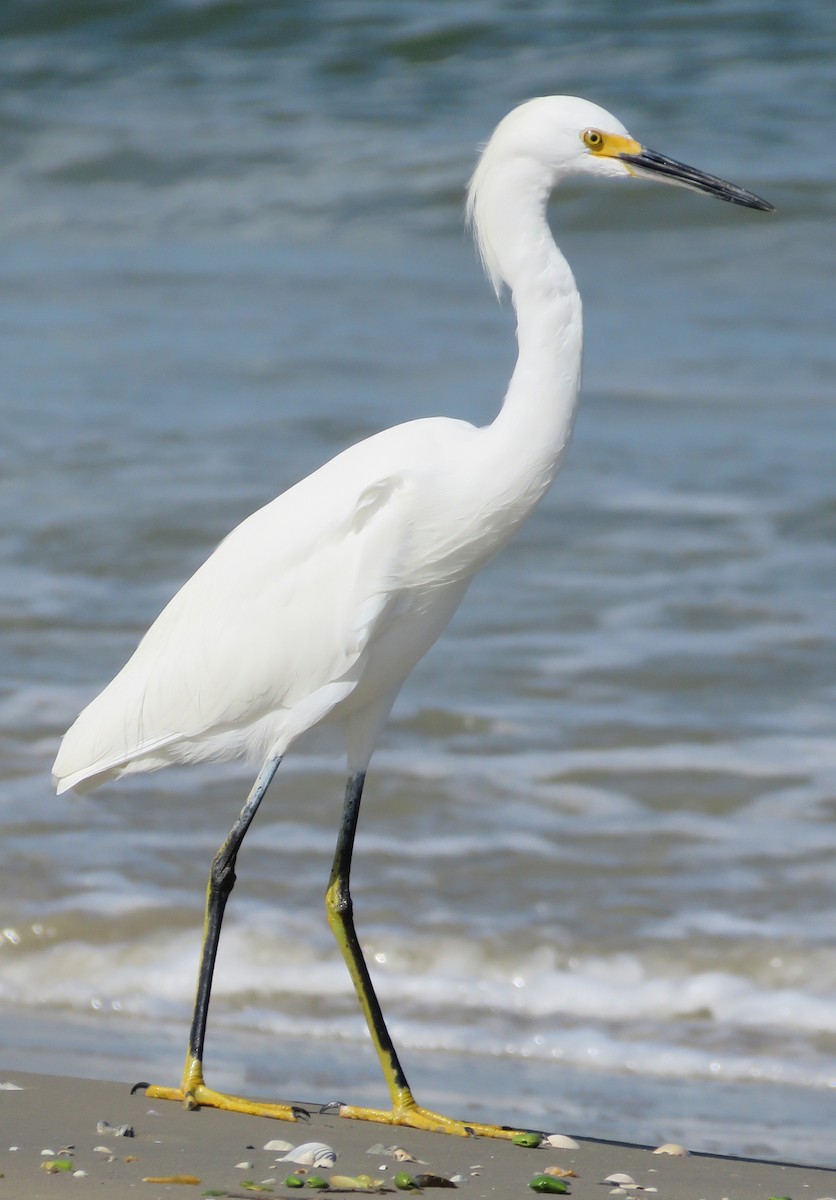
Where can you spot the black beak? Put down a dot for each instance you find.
(668, 170)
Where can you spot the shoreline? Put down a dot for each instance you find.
(51, 1112)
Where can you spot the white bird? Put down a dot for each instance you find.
(319, 605)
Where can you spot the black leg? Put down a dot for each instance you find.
(193, 1090)
(218, 890)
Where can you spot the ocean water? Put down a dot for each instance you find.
(594, 874)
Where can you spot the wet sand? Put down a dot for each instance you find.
(55, 1113)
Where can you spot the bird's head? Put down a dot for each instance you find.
(548, 139)
(570, 136)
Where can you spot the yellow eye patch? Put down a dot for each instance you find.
(609, 145)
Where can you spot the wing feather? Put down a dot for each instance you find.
(262, 641)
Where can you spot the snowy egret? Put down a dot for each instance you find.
(319, 605)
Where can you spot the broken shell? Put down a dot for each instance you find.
(672, 1148)
(115, 1130)
(102, 1150)
(313, 1154)
(560, 1141)
(560, 1172)
(243, 1166)
(278, 1144)
(58, 1164)
(396, 1152)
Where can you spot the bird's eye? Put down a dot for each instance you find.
(593, 139)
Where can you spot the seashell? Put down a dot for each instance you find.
(278, 1144)
(560, 1141)
(672, 1148)
(102, 1150)
(243, 1166)
(560, 1172)
(47, 1154)
(396, 1152)
(79, 1174)
(625, 1184)
(115, 1130)
(8, 1086)
(56, 1165)
(312, 1154)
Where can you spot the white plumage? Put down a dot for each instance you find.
(319, 605)
(321, 602)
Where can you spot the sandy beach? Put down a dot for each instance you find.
(223, 1154)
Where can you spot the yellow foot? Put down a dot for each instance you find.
(415, 1117)
(199, 1096)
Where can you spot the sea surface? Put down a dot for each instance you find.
(595, 868)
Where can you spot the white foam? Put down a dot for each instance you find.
(613, 1011)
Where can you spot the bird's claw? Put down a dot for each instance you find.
(415, 1117)
(201, 1096)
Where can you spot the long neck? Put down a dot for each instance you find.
(533, 428)
(540, 404)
